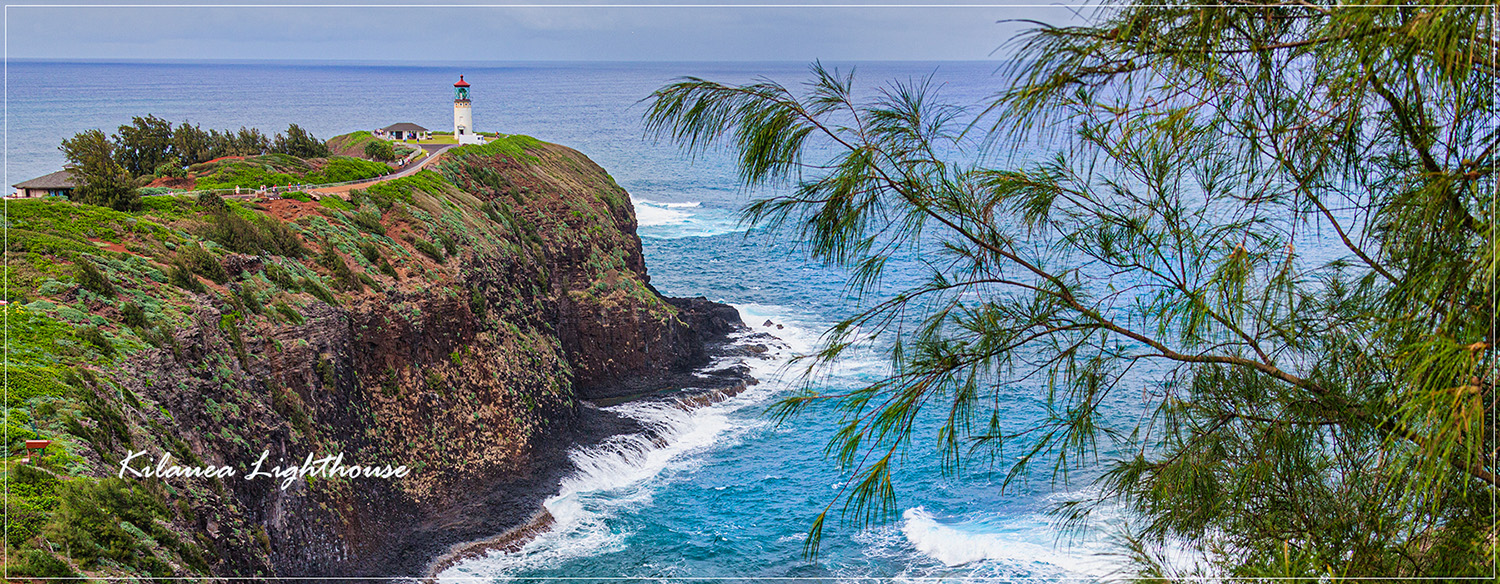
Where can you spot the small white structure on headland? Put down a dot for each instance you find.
(404, 131)
(463, 114)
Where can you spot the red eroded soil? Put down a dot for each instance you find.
(290, 209)
(172, 183)
(110, 245)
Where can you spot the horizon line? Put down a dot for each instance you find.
(487, 62)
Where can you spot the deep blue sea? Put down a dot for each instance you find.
(729, 494)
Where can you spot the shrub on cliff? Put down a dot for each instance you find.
(95, 338)
(343, 277)
(247, 297)
(450, 245)
(133, 316)
(236, 234)
(317, 291)
(372, 253)
(182, 276)
(428, 249)
(203, 263)
(212, 203)
(91, 279)
(279, 237)
(260, 234)
(32, 495)
(94, 521)
(368, 220)
(36, 563)
(287, 312)
(278, 275)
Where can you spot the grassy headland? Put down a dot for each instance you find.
(420, 320)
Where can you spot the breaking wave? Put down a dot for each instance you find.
(659, 220)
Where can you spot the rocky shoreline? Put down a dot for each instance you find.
(510, 507)
(594, 425)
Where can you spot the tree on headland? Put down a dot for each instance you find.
(144, 144)
(101, 179)
(298, 142)
(246, 142)
(151, 146)
(1286, 209)
(380, 150)
(193, 145)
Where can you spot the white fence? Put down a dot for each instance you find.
(277, 191)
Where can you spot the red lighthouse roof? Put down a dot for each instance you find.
(461, 82)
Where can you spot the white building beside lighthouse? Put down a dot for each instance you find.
(463, 114)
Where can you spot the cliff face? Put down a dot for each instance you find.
(620, 334)
(448, 322)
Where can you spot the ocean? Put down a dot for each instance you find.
(728, 494)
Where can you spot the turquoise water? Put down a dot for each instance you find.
(726, 494)
(731, 494)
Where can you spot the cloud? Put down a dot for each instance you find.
(654, 33)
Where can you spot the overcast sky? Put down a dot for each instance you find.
(489, 33)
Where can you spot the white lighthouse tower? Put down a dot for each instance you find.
(463, 114)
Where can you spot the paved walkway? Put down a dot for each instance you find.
(433, 152)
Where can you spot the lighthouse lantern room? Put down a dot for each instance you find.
(463, 114)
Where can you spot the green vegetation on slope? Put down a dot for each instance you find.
(510, 145)
(104, 304)
(351, 144)
(280, 169)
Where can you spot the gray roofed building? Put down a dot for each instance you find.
(404, 131)
(59, 183)
(404, 127)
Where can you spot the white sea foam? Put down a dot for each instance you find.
(1026, 542)
(623, 471)
(615, 475)
(661, 220)
(653, 214)
(667, 205)
(801, 338)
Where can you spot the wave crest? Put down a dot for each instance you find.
(659, 220)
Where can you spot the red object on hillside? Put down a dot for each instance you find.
(461, 82)
(37, 444)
